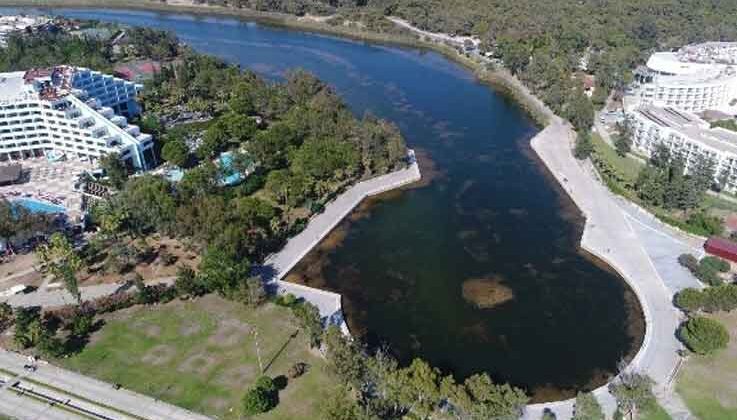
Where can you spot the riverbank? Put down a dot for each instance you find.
(609, 236)
(500, 79)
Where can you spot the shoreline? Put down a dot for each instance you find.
(501, 80)
(278, 265)
(506, 85)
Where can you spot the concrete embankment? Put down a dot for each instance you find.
(278, 265)
(608, 236)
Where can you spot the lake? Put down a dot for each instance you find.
(477, 268)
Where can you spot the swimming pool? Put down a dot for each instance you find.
(36, 206)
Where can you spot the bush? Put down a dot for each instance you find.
(703, 335)
(688, 261)
(715, 263)
(188, 284)
(706, 274)
(287, 300)
(262, 397)
(705, 225)
(690, 299)
(711, 299)
(298, 369)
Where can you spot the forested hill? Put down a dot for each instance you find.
(543, 41)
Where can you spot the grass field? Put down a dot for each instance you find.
(708, 384)
(626, 167)
(657, 413)
(201, 355)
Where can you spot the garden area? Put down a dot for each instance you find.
(201, 354)
(659, 185)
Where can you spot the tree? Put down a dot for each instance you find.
(344, 356)
(482, 399)
(309, 318)
(175, 152)
(587, 408)
(623, 141)
(579, 111)
(149, 203)
(690, 299)
(241, 127)
(60, 260)
(715, 263)
(114, 169)
(187, 283)
(340, 405)
(584, 147)
(633, 392)
(261, 397)
(703, 335)
(688, 261)
(222, 269)
(417, 388)
(256, 291)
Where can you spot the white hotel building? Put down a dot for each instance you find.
(696, 78)
(688, 136)
(76, 112)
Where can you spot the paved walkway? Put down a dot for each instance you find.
(82, 397)
(278, 265)
(60, 297)
(610, 236)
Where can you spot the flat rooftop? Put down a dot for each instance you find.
(692, 127)
(12, 85)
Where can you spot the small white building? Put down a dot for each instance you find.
(72, 111)
(696, 78)
(688, 136)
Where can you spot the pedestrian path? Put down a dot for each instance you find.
(50, 392)
(609, 236)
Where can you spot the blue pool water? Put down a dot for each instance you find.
(36, 206)
(230, 176)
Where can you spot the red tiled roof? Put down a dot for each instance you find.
(721, 244)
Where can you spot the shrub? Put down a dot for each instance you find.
(262, 397)
(706, 274)
(6, 316)
(703, 335)
(688, 261)
(298, 369)
(715, 263)
(690, 299)
(188, 284)
(287, 300)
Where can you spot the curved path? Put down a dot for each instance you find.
(609, 235)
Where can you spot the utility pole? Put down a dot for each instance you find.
(258, 350)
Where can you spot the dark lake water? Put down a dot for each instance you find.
(488, 221)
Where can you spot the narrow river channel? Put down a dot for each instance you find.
(478, 268)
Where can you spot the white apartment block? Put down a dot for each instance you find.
(72, 111)
(696, 78)
(688, 136)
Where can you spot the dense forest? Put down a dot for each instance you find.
(543, 42)
(45, 49)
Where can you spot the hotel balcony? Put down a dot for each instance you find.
(133, 130)
(73, 113)
(119, 120)
(112, 141)
(99, 132)
(144, 137)
(86, 122)
(93, 103)
(106, 112)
